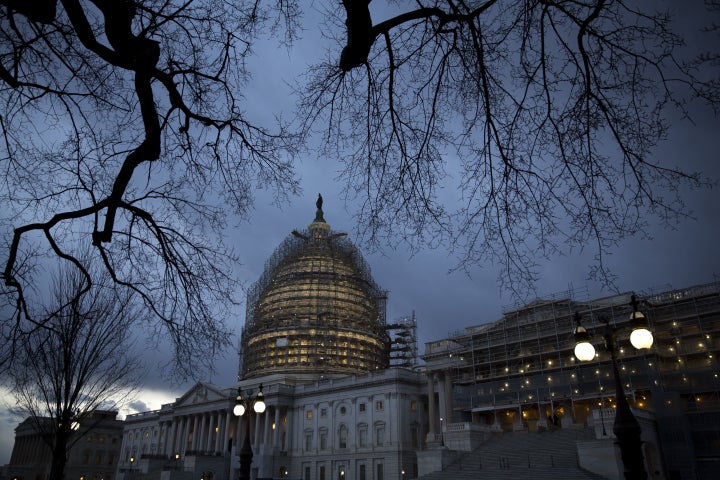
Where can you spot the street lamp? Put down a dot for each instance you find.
(250, 405)
(626, 427)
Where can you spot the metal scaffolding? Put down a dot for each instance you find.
(403, 342)
(315, 309)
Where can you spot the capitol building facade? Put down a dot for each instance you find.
(343, 399)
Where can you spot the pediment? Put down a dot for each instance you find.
(202, 393)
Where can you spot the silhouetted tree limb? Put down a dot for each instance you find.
(122, 127)
(542, 115)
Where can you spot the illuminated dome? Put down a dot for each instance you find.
(315, 309)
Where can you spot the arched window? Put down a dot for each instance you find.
(379, 433)
(362, 430)
(323, 432)
(342, 436)
(207, 475)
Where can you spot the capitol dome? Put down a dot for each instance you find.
(315, 309)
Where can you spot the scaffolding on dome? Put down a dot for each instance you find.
(315, 309)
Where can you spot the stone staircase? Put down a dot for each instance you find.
(549, 455)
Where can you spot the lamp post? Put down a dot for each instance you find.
(626, 427)
(251, 405)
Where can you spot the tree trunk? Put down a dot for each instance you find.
(59, 457)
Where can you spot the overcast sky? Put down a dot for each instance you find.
(446, 302)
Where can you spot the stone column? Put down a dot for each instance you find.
(431, 408)
(184, 436)
(276, 431)
(218, 432)
(225, 438)
(267, 428)
(179, 435)
(210, 432)
(196, 430)
(170, 441)
(202, 432)
(289, 418)
(448, 396)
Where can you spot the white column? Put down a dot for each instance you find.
(220, 433)
(276, 432)
(225, 439)
(184, 436)
(170, 441)
(196, 430)
(210, 431)
(179, 436)
(266, 428)
(288, 429)
(431, 407)
(448, 397)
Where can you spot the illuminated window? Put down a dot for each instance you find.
(413, 405)
(308, 414)
(379, 406)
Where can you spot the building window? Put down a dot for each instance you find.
(361, 407)
(323, 439)
(342, 437)
(414, 436)
(379, 406)
(309, 414)
(379, 471)
(361, 472)
(343, 410)
(308, 441)
(362, 435)
(111, 458)
(307, 474)
(413, 405)
(321, 475)
(323, 413)
(380, 434)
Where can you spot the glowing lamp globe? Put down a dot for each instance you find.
(584, 351)
(239, 410)
(641, 338)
